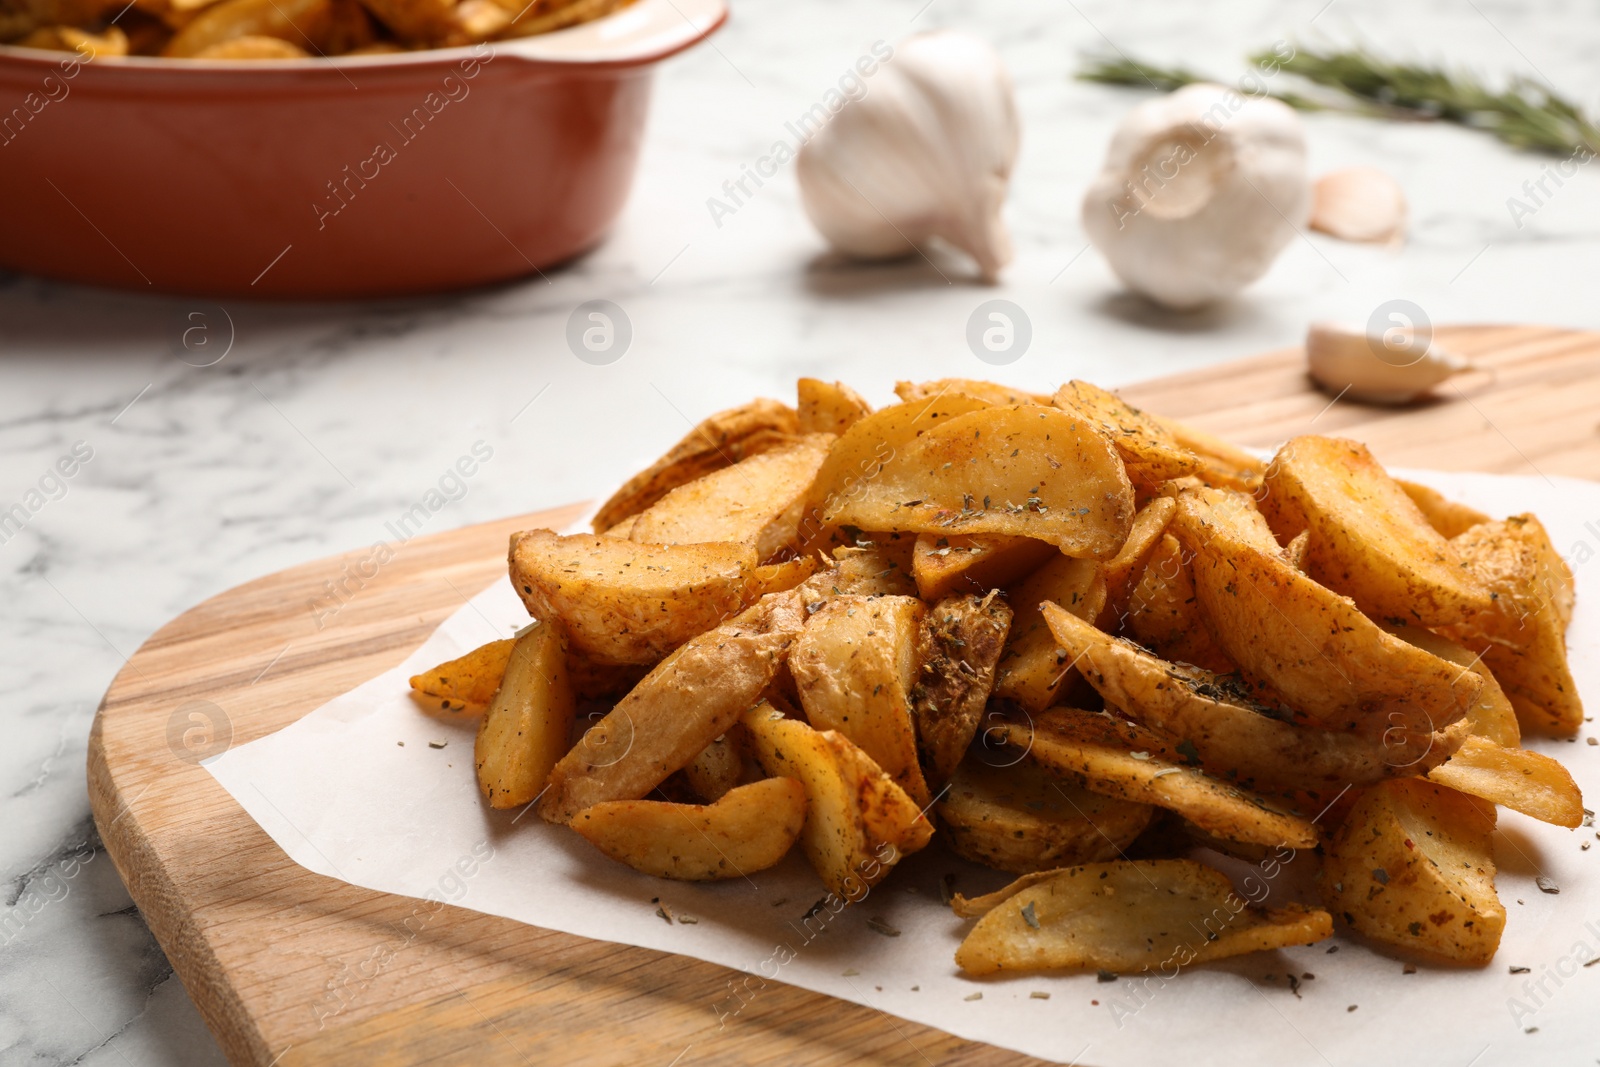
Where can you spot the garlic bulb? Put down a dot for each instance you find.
(1200, 191)
(926, 151)
(1359, 204)
(1379, 370)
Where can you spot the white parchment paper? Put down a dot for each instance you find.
(357, 791)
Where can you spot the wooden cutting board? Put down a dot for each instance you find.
(267, 948)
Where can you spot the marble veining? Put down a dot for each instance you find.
(322, 423)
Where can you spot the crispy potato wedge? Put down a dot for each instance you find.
(1151, 452)
(253, 47)
(978, 907)
(718, 441)
(990, 391)
(722, 766)
(1024, 471)
(958, 644)
(626, 602)
(526, 728)
(1125, 760)
(1130, 916)
(748, 829)
(1443, 514)
(1022, 818)
(1124, 569)
(1491, 714)
(1523, 635)
(109, 42)
(1514, 778)
(758, 501)
(1368, 540)
(1164, 616)
(1223, 465)
(1245, 742)
(1312, 645)
(859, 823)
(976, 563)
(691, 698)
(828, 407)
(1413, 866)
(1034, 665)
(471, 679)
(854, 665)
(302, 23)
(876, 569)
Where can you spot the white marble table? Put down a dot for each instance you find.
(323, 423)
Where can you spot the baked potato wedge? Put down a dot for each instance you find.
(472, 678)
(1514, 778)
(1025, 471)
(993, 392)
(1022, 818)
(1522, 636)
(854, 666)
(974, 563)
(1310, 644)
(1413, 866)
(1450, 518)
(1124, 569)
(859, 823)
(722, 766)
(1164, 616)
(623, 602)
(750, 828)
(758, 501)
(958, 644)
(1223, 465)
(1033, 665)
(529, 721)
(1122, 759)
(828, 407)
(691, 698)
(1368, 539)
(1236, 738)
(1151, 452)
(1130, 915)
(718, 441)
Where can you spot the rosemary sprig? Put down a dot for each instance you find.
(1524, 114)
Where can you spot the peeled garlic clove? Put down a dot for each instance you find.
(925, 152)
(1358, 204)
(1200, 191)
(1396, 368)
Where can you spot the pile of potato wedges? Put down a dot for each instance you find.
(1073, 640)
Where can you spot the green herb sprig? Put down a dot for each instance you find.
(1524, 114)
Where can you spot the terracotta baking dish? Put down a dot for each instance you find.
(330, 178)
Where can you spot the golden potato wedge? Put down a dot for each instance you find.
(1236, 738)
(976, 563)
(1515, 778)
(990, 391)
(978, 907)
(722, 766)
(828, 407)
(1491, 714)
(1125, 760)
(958, 644)
(1413, 866)
(1131, 916)
(627, 602)
(471, 679)
(854, 666)
(1368, 540)
(1297, 549)
(1033, 665)
(684, 704)
(859, 823)
(1223, 465)
(1164, 616)
(1022, 818)
(541, 18)
(881, 568)
(748, 829)
(1450, 518)
(1313, 646)
(1124, 569)
(758, 501)
(718, 441)
(526, 728)
(1024, 471)
(1523, 635)
(303, 23)
(1152, 454)
(109, 42)
(253, 47)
